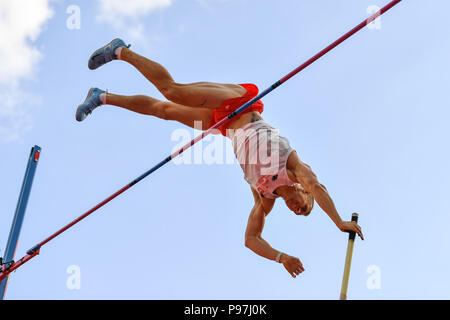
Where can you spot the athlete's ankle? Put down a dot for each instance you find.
(118, 53)
(103, 98)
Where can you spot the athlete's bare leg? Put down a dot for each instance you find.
(200, 94)
(165, 110)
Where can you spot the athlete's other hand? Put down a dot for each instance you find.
(349, 226)
(293, 265)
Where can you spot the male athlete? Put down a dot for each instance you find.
(271, 167)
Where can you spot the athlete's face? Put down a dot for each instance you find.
(299, 202)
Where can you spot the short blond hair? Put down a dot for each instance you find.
(309, 198)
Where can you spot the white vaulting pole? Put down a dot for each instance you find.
(348, 260)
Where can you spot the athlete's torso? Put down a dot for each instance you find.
(262, 154)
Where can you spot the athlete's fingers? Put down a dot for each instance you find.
(359, 232)
(361, 235)
(300, 266)
(299, 269)
(293, 274)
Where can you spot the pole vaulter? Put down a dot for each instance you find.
(6, 270)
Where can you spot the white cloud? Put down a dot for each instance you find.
(127, 15)
(21, 23)
(14, 117)
(208, 4)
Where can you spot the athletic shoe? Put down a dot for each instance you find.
(91, 102)
(105, 54)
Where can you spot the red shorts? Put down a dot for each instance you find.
(228, 106)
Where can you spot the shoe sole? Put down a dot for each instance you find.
(87, 97)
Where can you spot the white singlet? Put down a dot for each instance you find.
(262, 154)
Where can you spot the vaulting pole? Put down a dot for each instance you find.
(348, 260)
(35, 250)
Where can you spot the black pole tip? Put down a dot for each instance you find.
(352, 234)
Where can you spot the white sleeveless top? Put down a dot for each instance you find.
(262, 154)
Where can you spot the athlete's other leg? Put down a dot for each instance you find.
(165, 110)
(199, 94)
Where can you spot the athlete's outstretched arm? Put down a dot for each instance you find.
(306, 177)
(255, 242)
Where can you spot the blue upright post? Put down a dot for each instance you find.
(19, 215)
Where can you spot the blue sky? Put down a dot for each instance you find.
(370, 118)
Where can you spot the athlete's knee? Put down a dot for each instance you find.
(171, 90)
(161, 110)
(149, 106)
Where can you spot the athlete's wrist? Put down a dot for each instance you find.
(280, 257)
